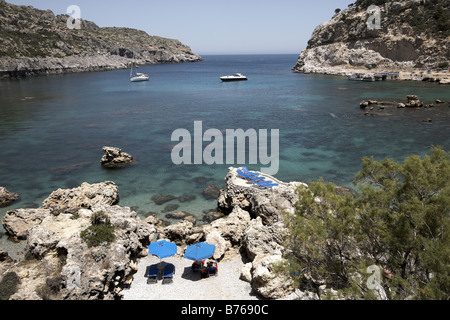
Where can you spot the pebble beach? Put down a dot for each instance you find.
(188, 285)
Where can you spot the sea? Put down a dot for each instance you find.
(53, 128)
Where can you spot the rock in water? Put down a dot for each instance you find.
(6, 197)
(115, 158)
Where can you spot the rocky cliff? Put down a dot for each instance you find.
(37, 41)
(412, 33)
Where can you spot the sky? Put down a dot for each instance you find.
(211, 26)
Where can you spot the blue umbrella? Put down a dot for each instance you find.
(200, 251)
(162, 249)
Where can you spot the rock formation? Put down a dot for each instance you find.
(60, 263)
(38, 42)
(63, 266)
(87, 196)
(6, 197)
(253, 226)
(115, 158)
(409, 34)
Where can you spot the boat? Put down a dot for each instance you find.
(138, 77)
(355, 77)
(234, 77)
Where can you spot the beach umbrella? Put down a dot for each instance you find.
(200, 251)
(162, 249)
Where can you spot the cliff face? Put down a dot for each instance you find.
(410, 33)
(36, 41)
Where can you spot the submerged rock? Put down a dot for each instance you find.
(160, 199)
(182, 215)
(211, 192)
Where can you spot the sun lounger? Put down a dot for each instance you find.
(152, 273)
(169, 271)
(246, 171)
(267, 184)
(253, 178)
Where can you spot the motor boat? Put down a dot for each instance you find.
(234, 77)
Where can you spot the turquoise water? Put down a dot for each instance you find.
(52, 128)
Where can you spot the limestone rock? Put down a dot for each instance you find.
(54, 240)
(115, 158)
(183, 233)
(215, 238)
(40, 240)
(267, 203)
(260, 239)
(246, 274)
(347, 40)
(86, 196)
(266, 282)
(6, 197)
(230, 228)
(17, 222)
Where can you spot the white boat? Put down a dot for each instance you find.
(139, 76)
(234, 77)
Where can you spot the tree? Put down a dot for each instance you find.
(405, 212)
(399, 222)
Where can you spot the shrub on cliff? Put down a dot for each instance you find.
(101, 230)
(8, 285)
(399, 223)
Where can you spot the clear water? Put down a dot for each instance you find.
(52, 128)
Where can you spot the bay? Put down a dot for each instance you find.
(53, 128)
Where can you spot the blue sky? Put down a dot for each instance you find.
(211, 26)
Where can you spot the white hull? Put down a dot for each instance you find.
(140, 78)
(234, 77)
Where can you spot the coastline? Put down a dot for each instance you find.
(21, 68)
(402, 73)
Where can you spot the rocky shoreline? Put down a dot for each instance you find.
(58, 264)
(397, 74)
(25, 67)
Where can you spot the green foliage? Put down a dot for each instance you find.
(431, 16)
(399, 222)
(443, 65)
(8, 285)
(405, 216)
(50, 289)
(101, 230)
(321, 236)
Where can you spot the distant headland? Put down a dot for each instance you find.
(408, 38)
(38, 42)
